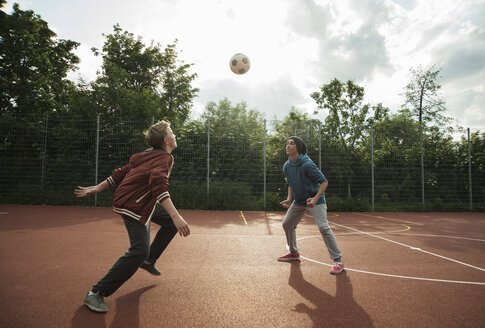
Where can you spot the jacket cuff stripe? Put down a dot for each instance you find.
(111, 182)
(162, 196)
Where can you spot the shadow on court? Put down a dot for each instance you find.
(340, 310)
(39, 217)
(127, 313)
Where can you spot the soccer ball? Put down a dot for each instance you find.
(239, 63)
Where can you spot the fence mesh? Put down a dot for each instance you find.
(45, 157)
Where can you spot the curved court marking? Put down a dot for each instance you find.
(381, 217)
(411, 247)
(399, 276)
(405, 234)
(406, 228)
(427, 235)
(408, 246)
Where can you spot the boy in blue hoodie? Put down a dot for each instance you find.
(306, 187)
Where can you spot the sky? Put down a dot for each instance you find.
(295, 46)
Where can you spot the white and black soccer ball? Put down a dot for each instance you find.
(239, 63)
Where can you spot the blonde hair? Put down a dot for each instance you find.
(156, 133)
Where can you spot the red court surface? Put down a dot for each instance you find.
(403, 270)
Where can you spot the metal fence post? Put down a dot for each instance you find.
(208, 157)
(44, 157)
(264, 164)
(470, 170)
(320, 145)
(372, 163)
(97, 159)
(422, 163)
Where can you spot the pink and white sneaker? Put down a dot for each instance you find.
(289, 257)
(337, 268)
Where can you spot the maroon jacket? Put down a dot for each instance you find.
(141, 183)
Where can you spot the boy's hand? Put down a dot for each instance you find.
(286, 203)
(311, 202)
(181, 226)
(85, 191)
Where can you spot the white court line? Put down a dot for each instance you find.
(315, 228)
(3, 213)
(398, 276)
(381, 217)
(411, 247)
(427, 235)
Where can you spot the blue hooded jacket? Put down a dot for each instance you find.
(304, 179)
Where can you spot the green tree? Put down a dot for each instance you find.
(238, 119)
(34, 92)
(176, 91)
(141, 82)
(33, 64)
(396, 136)
(423, 98)
(296, 123)
(477, 165)
(347, 123)
(236, 154)
(422, 95)
(395, 148)
(398, 168)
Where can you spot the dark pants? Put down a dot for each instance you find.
(140, 250)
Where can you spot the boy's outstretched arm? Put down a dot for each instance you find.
(91, 190)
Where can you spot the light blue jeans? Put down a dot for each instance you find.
(319, 212)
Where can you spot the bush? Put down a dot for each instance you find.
(358, 204)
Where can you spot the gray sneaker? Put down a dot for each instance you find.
(151, 268)
(96, 302)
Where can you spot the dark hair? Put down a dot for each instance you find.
(300, 145)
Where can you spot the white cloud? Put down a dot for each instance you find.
(89, 65)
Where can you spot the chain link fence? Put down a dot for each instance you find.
(45, 157)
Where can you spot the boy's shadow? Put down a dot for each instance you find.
(127, 313)
(327, 310)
